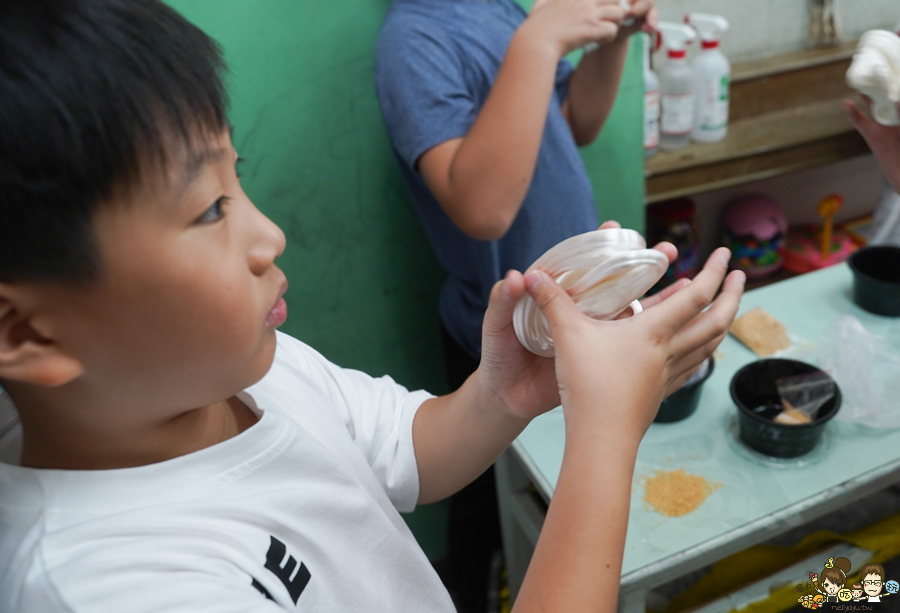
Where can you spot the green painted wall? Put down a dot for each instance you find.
(363, 279)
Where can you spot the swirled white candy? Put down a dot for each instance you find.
(603, 271)
(875, 72)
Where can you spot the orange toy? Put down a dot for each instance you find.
(826, 210)
(809, 249)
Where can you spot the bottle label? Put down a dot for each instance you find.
(677, 113)
(713, 113)
(651, 120)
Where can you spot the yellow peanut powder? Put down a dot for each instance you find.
(675, 493)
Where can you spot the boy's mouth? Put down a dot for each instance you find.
(278, 314)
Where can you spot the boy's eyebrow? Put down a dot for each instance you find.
(195, 162)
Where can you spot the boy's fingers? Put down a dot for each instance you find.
(641, 8)
(685, 366)
(688, 363)
(682, 307)
(670, 290)
(612, 13)
(676, 384)
(553, 301)
(606, 225)
(714, 323)
(655, 299)
(504, 296)
(667, 249)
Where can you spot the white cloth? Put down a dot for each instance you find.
(299, 509)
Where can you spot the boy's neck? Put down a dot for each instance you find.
(49, 443)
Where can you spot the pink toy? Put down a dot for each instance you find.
(755, 229)
(811, 249)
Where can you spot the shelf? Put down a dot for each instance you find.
(790, 62)
(786, 116)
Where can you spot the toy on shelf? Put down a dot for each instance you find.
(675, 221)
(755, 229)
(859, 230)
(811, 249)
(826, 210)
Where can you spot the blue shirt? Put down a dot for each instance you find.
(435, 64)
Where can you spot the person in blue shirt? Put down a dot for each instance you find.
(485, 115)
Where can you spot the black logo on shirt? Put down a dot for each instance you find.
(274, 556)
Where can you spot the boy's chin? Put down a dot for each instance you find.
(263, 362)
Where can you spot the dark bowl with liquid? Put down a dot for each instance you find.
(682, 403)
(876, 279)
(754, 391)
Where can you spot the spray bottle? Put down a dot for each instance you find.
(712, 74)
(676, 80)
(651, 98)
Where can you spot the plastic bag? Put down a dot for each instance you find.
(886, 220)
(802, 396)
(867, 371)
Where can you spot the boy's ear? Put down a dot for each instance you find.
(26, 355)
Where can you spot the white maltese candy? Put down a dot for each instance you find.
(604, 272)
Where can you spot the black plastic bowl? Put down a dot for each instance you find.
(876, 279)
(682, 404)
(753, 386)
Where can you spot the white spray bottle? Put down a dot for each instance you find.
(651, 98)
(712, 74)
(676, 81)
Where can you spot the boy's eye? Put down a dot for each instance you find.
(213, 213)
(237, 167)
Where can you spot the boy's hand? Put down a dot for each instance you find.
(671, 252)
(883, 140)
(634, 362)
(642, 17)
(571, 24)
(523, 382)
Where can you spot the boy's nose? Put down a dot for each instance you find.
(268, 242)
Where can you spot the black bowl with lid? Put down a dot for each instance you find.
(755, 392)
(876, 279)
(682, 403)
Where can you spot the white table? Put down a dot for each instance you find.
(759, 498)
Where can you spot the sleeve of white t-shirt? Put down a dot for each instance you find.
(144, 591)
(377, 412)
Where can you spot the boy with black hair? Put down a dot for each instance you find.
(162, 448)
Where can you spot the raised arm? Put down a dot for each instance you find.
(594, 84)
(481, 179)
(641, 359)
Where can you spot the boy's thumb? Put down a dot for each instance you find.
(551, 299)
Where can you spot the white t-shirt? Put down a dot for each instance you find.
(297, 513)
